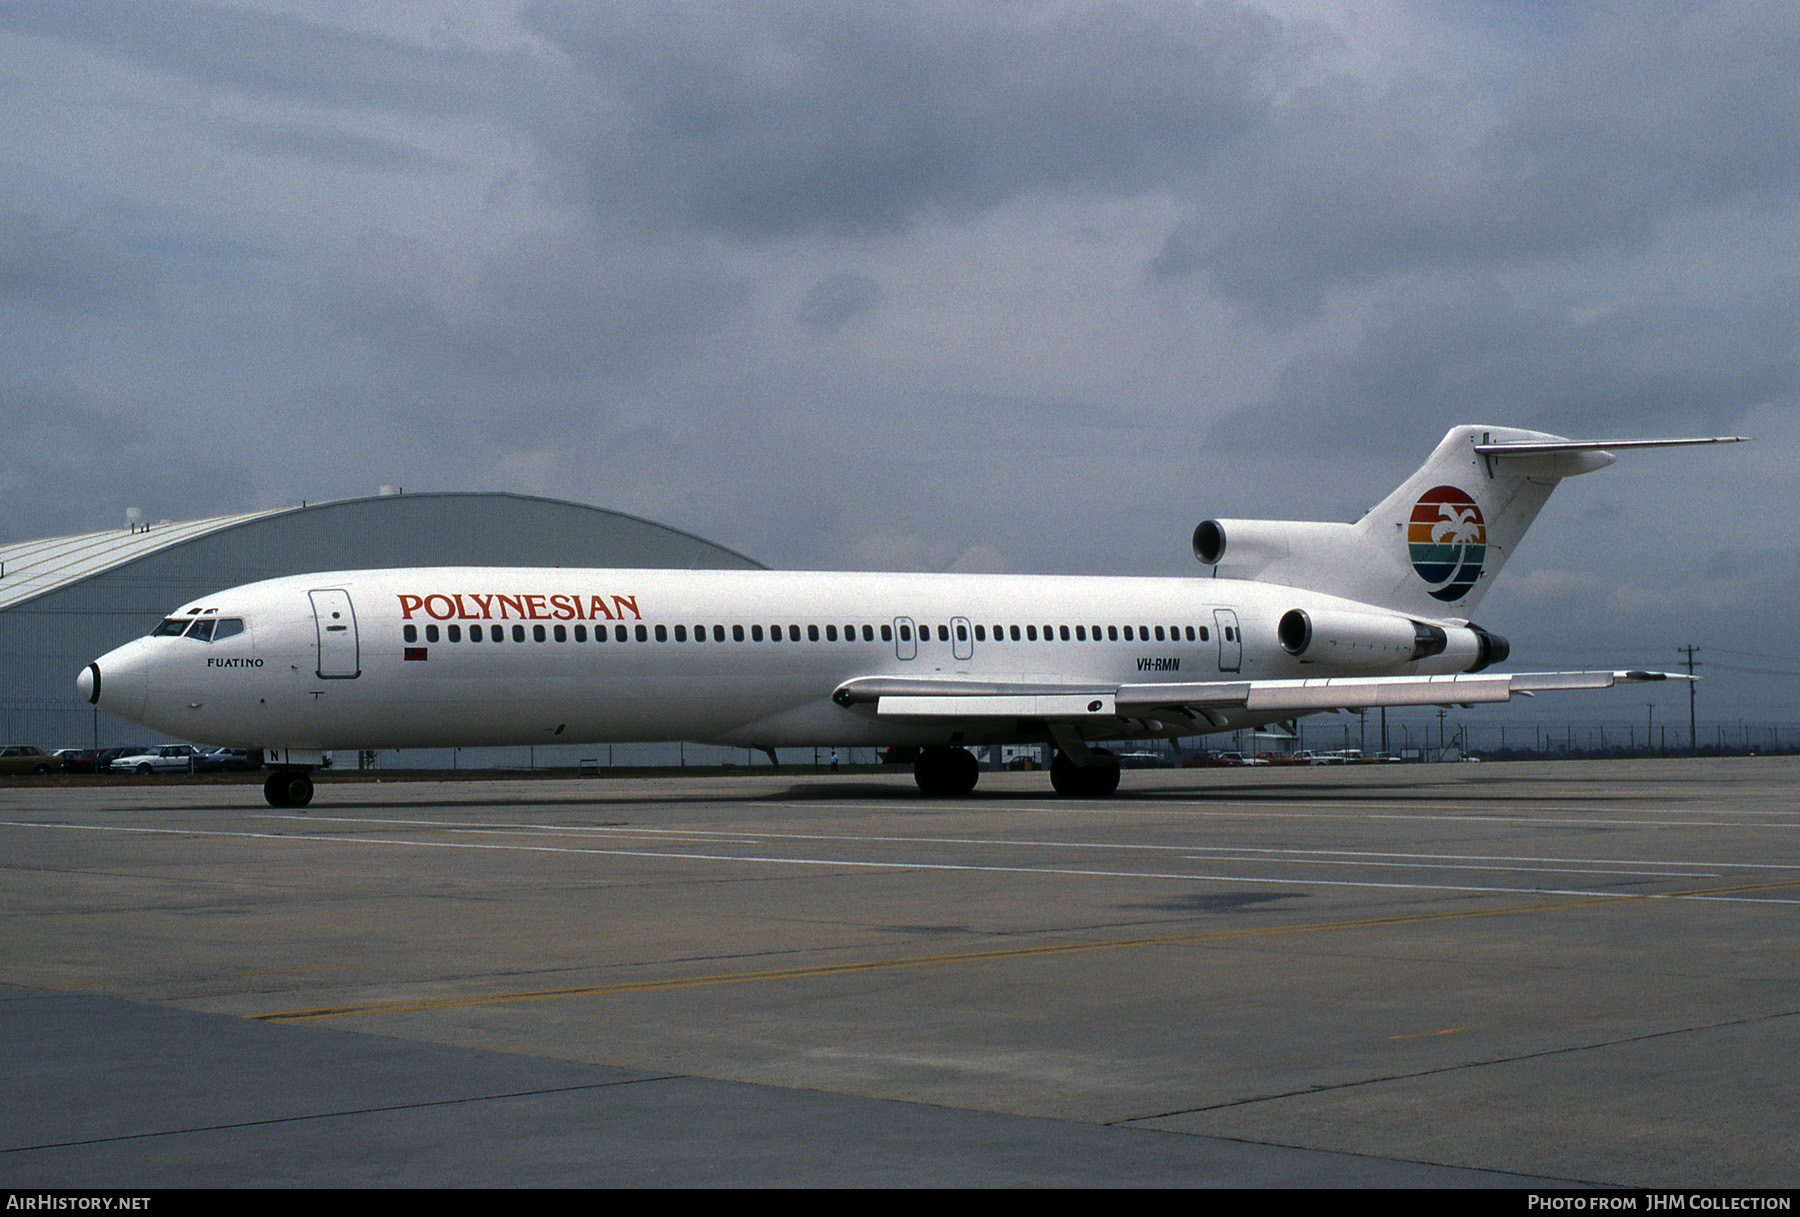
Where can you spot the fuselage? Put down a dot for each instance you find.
(468, 656)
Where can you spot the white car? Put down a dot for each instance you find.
(171, 758)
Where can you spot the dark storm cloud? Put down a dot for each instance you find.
(765, 119)
(776, 119)
(770, 119)
(274, 53)
(1430, 358)
(1647, 112)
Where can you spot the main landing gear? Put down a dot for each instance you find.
(1095, 780)
(952, 772)
(946, 772)
(288, 788)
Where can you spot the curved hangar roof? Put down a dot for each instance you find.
(65, 600)
(169, 562)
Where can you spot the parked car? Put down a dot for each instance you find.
(23, 758)
(95, 760)
(170, 758)
(1307, 756)
(223, 760)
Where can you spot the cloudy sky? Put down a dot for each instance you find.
(933, 286)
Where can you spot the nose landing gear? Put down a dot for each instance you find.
(288, 788)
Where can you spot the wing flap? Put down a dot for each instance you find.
(963, 699)
(1062, 706)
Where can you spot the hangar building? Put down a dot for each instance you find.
(66, 600)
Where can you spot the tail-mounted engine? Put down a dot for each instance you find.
(1254, 544)
(1350, 639)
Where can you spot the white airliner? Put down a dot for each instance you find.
(1291, 618)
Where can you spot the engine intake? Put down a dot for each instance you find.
(1209, 542)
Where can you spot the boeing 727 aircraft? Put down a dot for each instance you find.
(1289, 618)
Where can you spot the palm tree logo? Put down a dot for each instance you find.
(1447, 541)
(1457, 525)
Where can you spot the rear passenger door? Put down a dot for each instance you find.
(1231, 642)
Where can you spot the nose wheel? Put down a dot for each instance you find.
(288, 788)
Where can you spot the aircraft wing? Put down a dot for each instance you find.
(900, 697)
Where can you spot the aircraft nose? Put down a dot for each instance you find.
(116, 681)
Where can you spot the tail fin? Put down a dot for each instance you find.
(1433, 547)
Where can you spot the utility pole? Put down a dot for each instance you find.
(1693, 740)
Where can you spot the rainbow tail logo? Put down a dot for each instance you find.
(1447, 542)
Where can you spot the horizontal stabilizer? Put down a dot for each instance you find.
(1539, 447)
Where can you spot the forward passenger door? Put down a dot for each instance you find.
(339, 655)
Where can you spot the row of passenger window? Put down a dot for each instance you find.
(813, 633)
(1079, 633)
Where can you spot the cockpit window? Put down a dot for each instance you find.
(200, 629)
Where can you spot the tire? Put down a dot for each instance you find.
(288, 788)
(946, 772)
(144, 771)
(1096, 780)
(1103, 776)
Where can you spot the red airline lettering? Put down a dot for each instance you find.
(532, 606)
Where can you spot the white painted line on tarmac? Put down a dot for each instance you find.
(842, 863)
